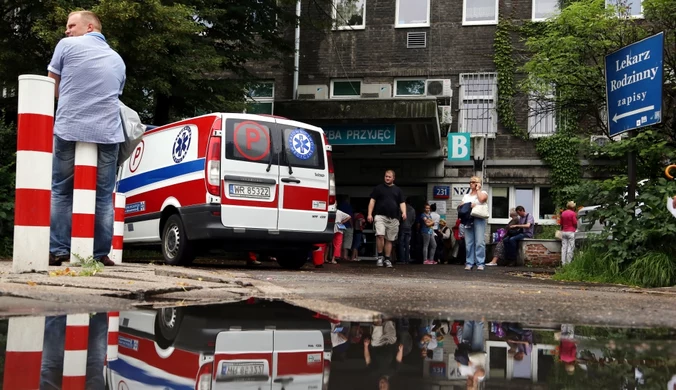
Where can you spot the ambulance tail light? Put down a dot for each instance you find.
(212, 171)
(332, 179)
(204, 376)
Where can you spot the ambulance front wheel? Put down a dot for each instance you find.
(176, 247)
(292, 260)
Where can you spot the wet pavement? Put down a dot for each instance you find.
(271, 344)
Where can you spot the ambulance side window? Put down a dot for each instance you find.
(303, 148)
(249, 141)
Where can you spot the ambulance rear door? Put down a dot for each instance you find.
(250, 174)
(299, 360)
(243, 360)
(304, 178)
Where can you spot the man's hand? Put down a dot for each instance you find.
(401, 347)
(367, 342)
(370, 218)
(403, 216)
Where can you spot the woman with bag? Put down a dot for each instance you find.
(499, 250)
(474, 236)
(568, 227)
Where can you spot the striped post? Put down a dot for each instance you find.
(35, 133)
(113, 333)
(84, 201)
(118, 228)
(23, 356)
(75, 352)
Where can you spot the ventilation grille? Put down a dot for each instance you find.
(416, 40)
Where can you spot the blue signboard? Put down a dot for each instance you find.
(441, 192)
(361, 134)
(458, 146)
(634, 78)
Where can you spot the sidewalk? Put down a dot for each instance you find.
(120, 287)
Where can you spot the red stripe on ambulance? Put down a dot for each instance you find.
(300, 198)
(300, 363)
(180, 363)
(184, 193)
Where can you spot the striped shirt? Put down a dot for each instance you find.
(92, 78)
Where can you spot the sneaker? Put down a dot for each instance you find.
(468, 268)
(480, 268)
(388, 264)
(380, 262)
(428, 262)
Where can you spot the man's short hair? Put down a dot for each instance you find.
(433, 206)
(520, 208)
(391, 171)
(90, 17)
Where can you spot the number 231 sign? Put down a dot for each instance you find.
(441, 192)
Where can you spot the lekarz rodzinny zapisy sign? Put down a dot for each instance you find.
(634, 78)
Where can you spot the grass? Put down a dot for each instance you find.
(547, 232)
(653, 269)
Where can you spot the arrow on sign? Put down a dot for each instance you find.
(630, 113)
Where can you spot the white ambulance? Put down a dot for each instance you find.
(238, 182)
(246, 345)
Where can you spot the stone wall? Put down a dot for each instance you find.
(539, 253)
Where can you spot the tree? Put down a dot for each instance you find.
(182, 56)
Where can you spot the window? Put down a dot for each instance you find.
(313, 159)
(536, 200)
(239, 145)
(413, 13)
(545, 9)
(345, 88)
(633, 8)
(480, 12)
(349, 14)
(547, 209)
(541, 115)
(500, 202)
(478, 92)
(261, 98)
(409, 87)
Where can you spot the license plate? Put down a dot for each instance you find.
(230, 370)
(248, 191)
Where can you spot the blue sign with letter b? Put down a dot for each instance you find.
(458, 146)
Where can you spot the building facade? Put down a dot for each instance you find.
(392, 81)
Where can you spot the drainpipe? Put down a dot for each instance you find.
(296, 54)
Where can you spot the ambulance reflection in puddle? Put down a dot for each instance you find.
(262, 345)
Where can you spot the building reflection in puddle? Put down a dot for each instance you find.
(261, 344)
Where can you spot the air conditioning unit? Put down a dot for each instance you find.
(313, 92)
(376, 91)
(599, 140)
(439, 88)
(445, 115)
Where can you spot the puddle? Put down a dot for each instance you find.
(262, 344)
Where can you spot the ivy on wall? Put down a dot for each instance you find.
(558, 151)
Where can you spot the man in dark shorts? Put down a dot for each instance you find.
(389, 204)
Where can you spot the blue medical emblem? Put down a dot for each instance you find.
(301, 143)
(181, 144)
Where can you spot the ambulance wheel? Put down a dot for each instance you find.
(292, 260)
(176, 247)
(167, 324)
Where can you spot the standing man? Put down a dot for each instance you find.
(388, 202)
(90, 77)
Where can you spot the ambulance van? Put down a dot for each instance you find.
(238, 182)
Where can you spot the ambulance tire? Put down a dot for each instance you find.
(176, 247)
(167, 324)
(292, 260)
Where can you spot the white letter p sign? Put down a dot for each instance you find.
(458, 147)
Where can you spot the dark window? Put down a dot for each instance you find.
(246, 140)
(303, 148)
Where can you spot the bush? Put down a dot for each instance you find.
(590, 264)
(654, 269)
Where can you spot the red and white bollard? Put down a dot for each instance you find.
(35, 142)
(113, 334)
(75, 351)
(120, 201)
(84, 201)
(23, 357)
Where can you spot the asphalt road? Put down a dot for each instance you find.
(448, 291)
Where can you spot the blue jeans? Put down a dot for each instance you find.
(475, 243)
(51, 371)
(405, 246)
(63, 168)
(473, 334)
(511, 246)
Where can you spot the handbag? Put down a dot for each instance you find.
(558, 235)
(480, 211)
(133, 131)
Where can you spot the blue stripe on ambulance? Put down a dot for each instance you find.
(136, 374)
(157, 175)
